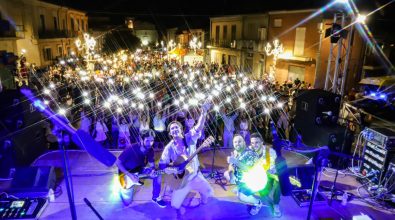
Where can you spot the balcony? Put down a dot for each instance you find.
(251, 45)
(49, 34)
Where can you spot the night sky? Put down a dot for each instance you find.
(195, 14)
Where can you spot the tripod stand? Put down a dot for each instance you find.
(215, 174)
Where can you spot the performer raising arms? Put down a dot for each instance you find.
(183, 145)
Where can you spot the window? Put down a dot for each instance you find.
(217, 33)
(60, 50)
(42, 22)
(47, 53)
(225, 33)
(55, 23)
(296, 72)
(277, 22)
(72, 24)
(262, 33)
(83, 25)
(64, 24)
(299, 41)
(233, 33)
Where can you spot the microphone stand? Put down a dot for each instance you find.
(89, 204)
(320, 161)
(67, 176)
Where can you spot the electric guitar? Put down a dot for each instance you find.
(127, 182)
(177, 168)
(294, 181)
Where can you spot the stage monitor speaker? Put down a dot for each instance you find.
(33, 180)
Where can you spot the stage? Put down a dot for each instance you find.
(99, 185)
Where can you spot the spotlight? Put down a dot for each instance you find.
(361, 19)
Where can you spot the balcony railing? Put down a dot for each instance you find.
(48, 34)
(254, 45)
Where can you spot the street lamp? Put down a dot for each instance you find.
(195, 44)
(274, 50)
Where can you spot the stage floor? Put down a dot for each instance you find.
(98, 183)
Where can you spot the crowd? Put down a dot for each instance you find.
(115, 98)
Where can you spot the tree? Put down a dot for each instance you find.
(122, 39)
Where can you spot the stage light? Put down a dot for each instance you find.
(185, 106)
(373, 94)
(260, 87)
(264, 98)
(176, 102)
(159, 104)
(119, 110)
(141, 106)
(361, 19)
(383, 96)
(342, 1)
(182, 98)
(255, 178)
(228, 100)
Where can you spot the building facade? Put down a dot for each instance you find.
(146, 32)
(239, 40)
(306, 48)
(45, 31)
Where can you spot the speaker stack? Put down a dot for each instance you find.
(317, 112)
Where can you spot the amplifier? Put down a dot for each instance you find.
(27, 208)
(378, 152)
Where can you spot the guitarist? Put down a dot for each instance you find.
(137, 159)
(184, 145)
(260, 153)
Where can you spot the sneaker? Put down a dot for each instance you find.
(255, 209)
(159, 202)
(276, 211)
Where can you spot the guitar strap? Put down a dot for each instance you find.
(267, 155)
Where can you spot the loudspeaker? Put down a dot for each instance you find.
(317, 107)
(33, 180)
